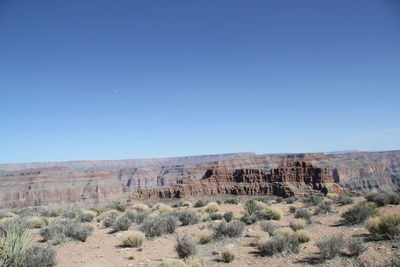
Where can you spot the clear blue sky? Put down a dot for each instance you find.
(136, 79)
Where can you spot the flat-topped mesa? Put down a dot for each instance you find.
(290, 179)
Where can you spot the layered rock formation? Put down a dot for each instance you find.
(92, 182)
(290, 179)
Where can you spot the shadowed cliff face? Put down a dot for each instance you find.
(91, 182)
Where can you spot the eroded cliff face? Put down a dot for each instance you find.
(290, 179)
(89, 183)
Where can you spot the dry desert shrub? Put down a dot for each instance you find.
(132, 239)
(121, 223)
(323, 208)
(344, 200)
(359, 213)
(108, 220)
(232, 229)
(205, 236)
(285, 231)
(193, 261)
(232, 201)
(211, 207)
(37, 222)
(298, 224)
(157, 225)
(205, 217)
(278, 244)
(185, 245)
(228, 254)
(331, 196)
(228, 216)
(117, 205)
(188, 217)
(384, 227)
(163, 208)
(200, 203)
(69, 213)
(269, 227)
(39, 256)
(303, 214)
(87, 215)
(384, 198)
(140, 207)
(186, 204)
(216, 216)
(356, 246)
(330, 247)
(313, 199)
(302, 235)
(48, 212)
(291, 200)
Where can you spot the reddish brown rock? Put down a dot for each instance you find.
(290, 179)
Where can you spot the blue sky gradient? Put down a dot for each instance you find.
(138, 79)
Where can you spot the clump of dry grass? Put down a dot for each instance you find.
(302, 235)
(211, 207)
(283, 231)
(228, 254)
(163, 208)
(298, 224)
(205, 236)
(37, 222)
(140, 207)
(133, 239)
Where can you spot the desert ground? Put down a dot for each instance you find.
(104, 245)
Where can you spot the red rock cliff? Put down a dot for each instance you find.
(291, 178)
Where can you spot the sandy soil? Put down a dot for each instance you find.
(103, 248)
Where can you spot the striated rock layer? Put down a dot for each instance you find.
(290, 179)
(90, 183)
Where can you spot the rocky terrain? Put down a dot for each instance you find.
(290, 179)
(98, 182)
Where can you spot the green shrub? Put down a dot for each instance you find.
(87, 216)
(227, 254)
(39, 256)
(384, 227)
(14, 242)
(359, 214)
(232, 229)
(188, 217)
(200, 203)
(356, 246)
(303, 214)
(228, 216)
(216, 216)
(122, 223)
(251, 206)
(279, 200)
(158, 225)
(344, 200)
(185, 245)
(330, 247)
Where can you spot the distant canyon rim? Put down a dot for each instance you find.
(98, 182)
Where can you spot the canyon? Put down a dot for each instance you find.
(99, 182)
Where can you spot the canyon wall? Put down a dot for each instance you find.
(290, 179)
(91, 183)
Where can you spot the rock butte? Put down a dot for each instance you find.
(89, 183)
(290, 179)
